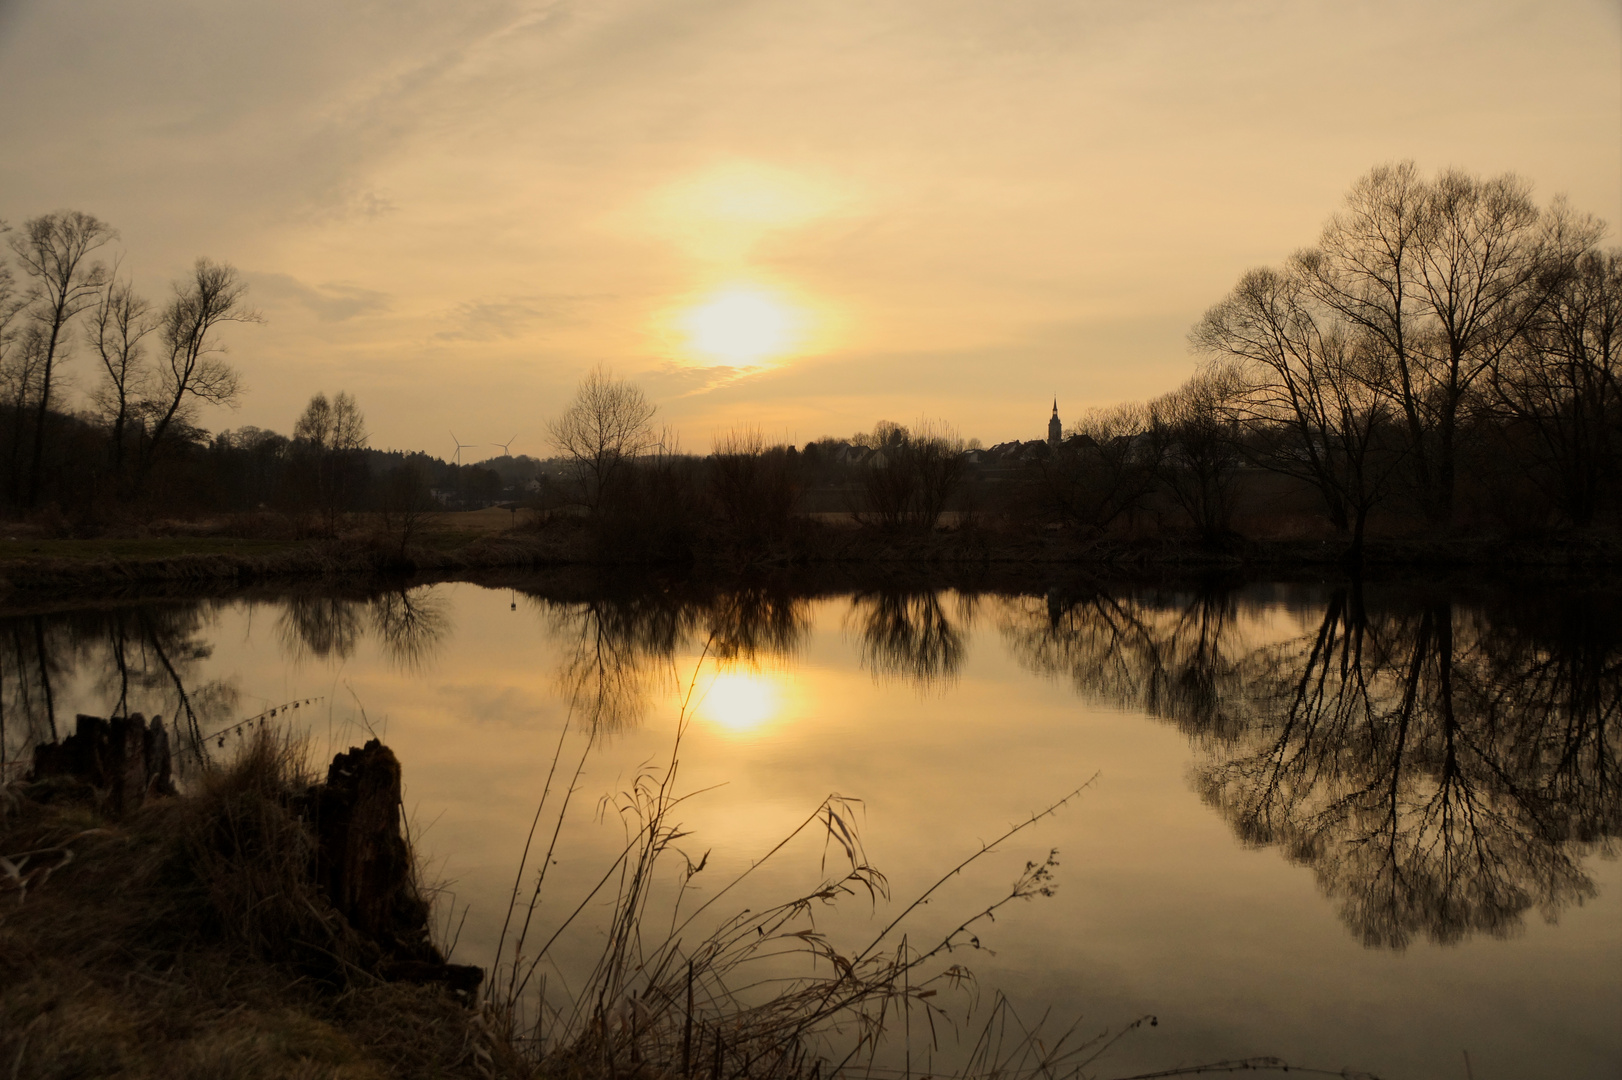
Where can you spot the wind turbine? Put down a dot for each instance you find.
(505, 445)
(460, 445)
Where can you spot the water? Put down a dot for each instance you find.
(1371, 827)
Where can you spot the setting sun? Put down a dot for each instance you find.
(741, 327)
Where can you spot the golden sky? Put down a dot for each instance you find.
(803, 215)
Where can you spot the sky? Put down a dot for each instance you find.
(801, 216)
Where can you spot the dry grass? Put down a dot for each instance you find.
(188, 940)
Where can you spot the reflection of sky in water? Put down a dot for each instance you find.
(950, 717)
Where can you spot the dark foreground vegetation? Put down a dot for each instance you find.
(237, 931)
(1436, 379)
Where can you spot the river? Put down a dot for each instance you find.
(1366, 825)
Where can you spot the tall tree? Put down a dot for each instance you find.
(119, 321)
(605, 428)
(1202, 458)
(1442, 276)
(1562, 384)
(54, 250)
(1313, 401)
(192, 371)
(330, 435)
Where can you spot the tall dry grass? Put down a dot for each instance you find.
(189, 939)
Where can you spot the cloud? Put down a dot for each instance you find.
(510, 317)
(333, 301)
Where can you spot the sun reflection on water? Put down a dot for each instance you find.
(741, 702)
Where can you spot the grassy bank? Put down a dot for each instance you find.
(216, 558)
(189, 939)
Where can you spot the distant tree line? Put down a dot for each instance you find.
(1443, 361)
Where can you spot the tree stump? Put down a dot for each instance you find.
(366, 868)
(125, 759)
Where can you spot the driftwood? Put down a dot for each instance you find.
(124, 760)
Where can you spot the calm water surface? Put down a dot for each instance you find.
(1371, 827)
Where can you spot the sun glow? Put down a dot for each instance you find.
(740, 702)
(741, 326)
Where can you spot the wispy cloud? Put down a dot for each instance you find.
(333, 301)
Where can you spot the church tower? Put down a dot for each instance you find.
(1055, 428)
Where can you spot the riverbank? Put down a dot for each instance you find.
(213, 933)
(59, 565)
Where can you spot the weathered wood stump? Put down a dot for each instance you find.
(365, 866)
(362, 863)
(125, 759)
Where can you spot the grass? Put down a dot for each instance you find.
(163, 547)
(189, 940)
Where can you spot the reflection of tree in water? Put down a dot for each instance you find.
(1174, 656)
(909, 636)
(619, 648)
(410, 625)
(320, 626)
(1442, 770)
(141, 659)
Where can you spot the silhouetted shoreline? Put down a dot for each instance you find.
(54, 566)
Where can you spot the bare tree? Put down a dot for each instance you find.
(753, 487)
(935, 454)
(1103, 470)
(1201, 463)
(1562, 383)
(329, 436)
(118, 323)
(193, 371)
(606, 427)
(911, 475)
(1439, 275)
(1313, 401)
(20, 347)
(54, 250)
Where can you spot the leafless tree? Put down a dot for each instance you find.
(54, 250)
(1562, 383)
(1201, 463)
(1441, 276)
(1104, 469)
(119, 321)
(20, 349)
(1313, 398)
(605, 428)
(328, 437)
(193, 371)
(754, 487)
(911, 475)
(935, 454)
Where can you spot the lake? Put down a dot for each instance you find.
(1367, 825)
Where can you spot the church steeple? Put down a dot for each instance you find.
(1055, 427)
